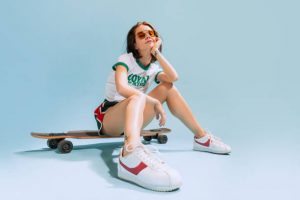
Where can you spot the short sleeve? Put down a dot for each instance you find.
(156, 71)
(123, 60)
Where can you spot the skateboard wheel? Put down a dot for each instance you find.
(162, 139)
(65, 146)
(147, 138)
(52, 143)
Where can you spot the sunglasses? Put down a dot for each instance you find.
(142, 34)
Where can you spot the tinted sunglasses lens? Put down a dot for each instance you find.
(141, 35)
(151, 33)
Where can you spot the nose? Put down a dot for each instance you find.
(147, 36)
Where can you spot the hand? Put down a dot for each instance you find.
(157, 44)
(160, 113)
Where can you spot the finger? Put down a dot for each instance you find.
(159, 41)
(163, 119)
(162, 122)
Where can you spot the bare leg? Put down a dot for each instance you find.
(134, 119)
(178, 107)
(134, 113)
(131, 114)
(127, 117)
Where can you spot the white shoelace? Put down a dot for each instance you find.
(149, 156)
(215, 139)
(153, 149)
(209, 133)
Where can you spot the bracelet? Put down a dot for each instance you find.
(155, 52)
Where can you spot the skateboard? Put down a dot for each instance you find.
(58, 140)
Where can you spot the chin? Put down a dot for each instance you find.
(147, 48)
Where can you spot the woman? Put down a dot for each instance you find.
(127, 109)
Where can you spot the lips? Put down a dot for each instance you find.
(148, 41)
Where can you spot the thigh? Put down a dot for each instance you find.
(159, 93)
(114, 119)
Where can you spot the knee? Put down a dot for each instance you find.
(167, 85)
(138, 98)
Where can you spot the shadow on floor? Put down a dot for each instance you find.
(109, 153)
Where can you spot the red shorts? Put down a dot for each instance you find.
(100, 112)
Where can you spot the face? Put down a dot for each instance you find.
(144, 38)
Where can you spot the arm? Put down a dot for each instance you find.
(125, 90)
(122, 85)
(169, 74)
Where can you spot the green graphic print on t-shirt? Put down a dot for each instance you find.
(136, 80)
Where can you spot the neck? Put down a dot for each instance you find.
(146, 57)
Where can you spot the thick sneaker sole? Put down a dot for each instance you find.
(209, 150)
(132, 179)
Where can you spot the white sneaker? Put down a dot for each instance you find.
(146, 169)
(211, 144)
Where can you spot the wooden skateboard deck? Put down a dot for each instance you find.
(93, 134)
(57, 140)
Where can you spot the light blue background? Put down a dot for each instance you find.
(238, 63)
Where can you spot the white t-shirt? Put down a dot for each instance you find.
(139, 76)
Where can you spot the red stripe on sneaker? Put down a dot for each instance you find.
(135, 170)
(206, 144)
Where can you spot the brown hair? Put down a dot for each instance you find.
(131, 40)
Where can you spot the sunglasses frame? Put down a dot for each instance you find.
(142, 34)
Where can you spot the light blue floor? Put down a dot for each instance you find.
(263, 167)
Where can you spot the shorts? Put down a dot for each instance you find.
(100, 112)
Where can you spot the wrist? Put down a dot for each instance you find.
(155, 52)
(151, 100)
(155, 101)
